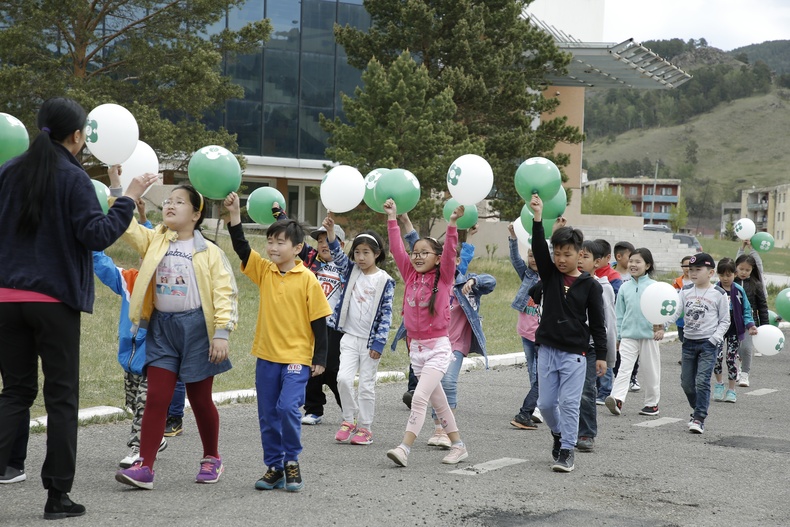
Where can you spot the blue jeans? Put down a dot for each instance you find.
(695, 370)
(450, 381)
(604, 384)
(531, 400)
(177, 403)
(561, 379)
(281, 391)
(588, 413)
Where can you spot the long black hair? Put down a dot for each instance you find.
(58, 118)
(372, 239)
(437, 248)
(749, 259)
(647, 256)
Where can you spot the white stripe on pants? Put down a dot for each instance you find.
(354, 356)
(649, 369)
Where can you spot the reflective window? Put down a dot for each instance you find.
(240, 16)
(318, 20)
(312, 138)
(246, 72)
(280, 130)
(281, 76)
(285, 18)
(318, 80)
(244, 119)
(353, 15)
(348, 78)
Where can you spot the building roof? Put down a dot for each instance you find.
(643, 180)
(609, 65)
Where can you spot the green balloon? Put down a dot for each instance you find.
(783, 303)
(762, 242)
(259, 204)
(538, 175)
(773, 318)
(467, 221)
(102, 193)
(214, 172)
(400, 185)
(13, 137)
(554, 207)
(370, 186)
(526, 218)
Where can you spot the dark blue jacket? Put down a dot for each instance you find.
(57, 261)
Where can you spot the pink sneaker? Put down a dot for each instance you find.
(363, 436)
(346, 431)
(211, 468)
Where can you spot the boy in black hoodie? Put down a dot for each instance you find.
(570, 298)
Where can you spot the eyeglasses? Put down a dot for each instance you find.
(178, 203)
(422, 255)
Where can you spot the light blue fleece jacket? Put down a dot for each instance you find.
(631, 323)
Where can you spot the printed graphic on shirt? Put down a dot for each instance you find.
(532, 308)
(330, 283)
(176, 287)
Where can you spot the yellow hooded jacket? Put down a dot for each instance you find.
(215, 279)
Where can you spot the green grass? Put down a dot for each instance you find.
(101, 377)
(775, 261)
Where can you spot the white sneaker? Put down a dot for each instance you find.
(312, 419)
(536, 416)
(399, 456)
(128, 461)
(744, 380)
(440, 439)
(634, 386)
(456, 455)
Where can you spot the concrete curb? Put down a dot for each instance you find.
(470, 363)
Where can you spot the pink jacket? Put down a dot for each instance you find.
(419, 323)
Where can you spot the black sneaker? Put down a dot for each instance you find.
(62, 507)
(273, 479)
(565, 462)
(407, 398)
(649, 410)
(174, 426)
(524, 422)
(555, 451)
(293, 477)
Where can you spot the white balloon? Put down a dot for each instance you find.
(342, 189)
(769, 340)
(470, 179)
(659, 302)
(142, 161)
(744, 228)
(521, 233)
(111, 134)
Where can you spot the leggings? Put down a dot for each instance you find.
(429, 388)
(161, 384)
(732, 353)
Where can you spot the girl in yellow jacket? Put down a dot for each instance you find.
(186, 294)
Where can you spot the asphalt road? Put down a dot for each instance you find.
(734, 474)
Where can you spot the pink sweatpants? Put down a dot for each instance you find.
(427, 363)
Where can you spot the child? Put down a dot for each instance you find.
(604, 384)
(606, 270)
(428, 277)
(679, 283)
(740, 322)
(706, 312)
(290, 342)
(528, 415)
(363, 314)
(570, 298)
(637, 337)
(466, 335)
(592, 256)
(187, 332)
(749, 276)
(622, 254)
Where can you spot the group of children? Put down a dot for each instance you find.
(324, 317)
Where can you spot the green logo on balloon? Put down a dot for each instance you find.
(91, 135)
(668, 307)
(780, 344)
(453, 174)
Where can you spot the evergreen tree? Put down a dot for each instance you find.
(151, 57)
(494, 61)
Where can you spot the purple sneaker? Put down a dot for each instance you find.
(211, 468)
(137, 476)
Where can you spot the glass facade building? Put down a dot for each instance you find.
(297, 75)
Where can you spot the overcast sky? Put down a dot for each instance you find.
(725, 24)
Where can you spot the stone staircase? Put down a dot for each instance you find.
(667, 251)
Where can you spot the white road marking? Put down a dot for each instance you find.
(488, 466)
(658, 422)
(761, 391)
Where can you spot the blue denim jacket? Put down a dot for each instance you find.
(484, 284)
(527, 275)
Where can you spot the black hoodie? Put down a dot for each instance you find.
(563, 321)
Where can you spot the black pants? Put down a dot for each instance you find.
(29, 330)
(19, 448)
(315, 399)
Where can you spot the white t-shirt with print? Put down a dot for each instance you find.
(176, 286)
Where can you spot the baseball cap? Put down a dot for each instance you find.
(702, 260)
(321, 230)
